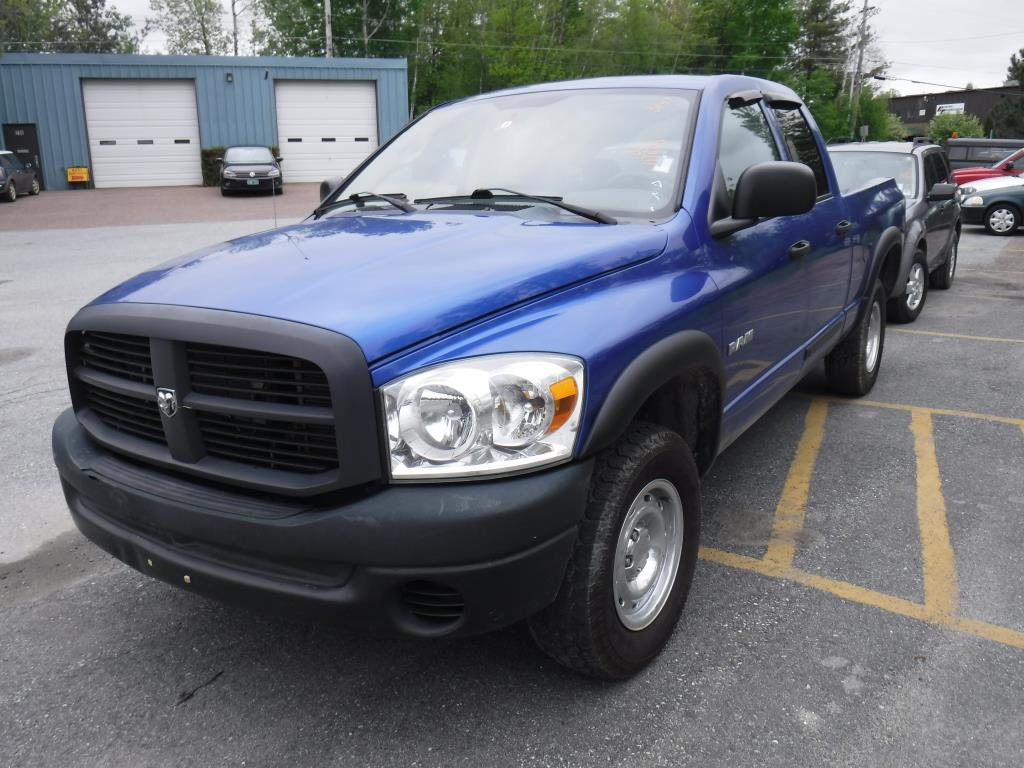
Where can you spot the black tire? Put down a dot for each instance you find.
(903, 309)
(1012, 219)
(942, 278)
(34, 189)
(11, 194)
(848, 367)
(582, 628)
(224, 192)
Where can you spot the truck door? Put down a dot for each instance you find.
(940, 215)
(829, 262)
(764, 301)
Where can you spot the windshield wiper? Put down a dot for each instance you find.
(486, 195)
(359, 199)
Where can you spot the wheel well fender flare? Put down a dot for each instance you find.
(890, 239)
(674, 357)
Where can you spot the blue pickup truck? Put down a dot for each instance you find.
(480, 384)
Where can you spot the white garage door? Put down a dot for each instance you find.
(142, 133)
(325, 128)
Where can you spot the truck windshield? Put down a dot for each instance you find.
(614, 150)
(857, 169)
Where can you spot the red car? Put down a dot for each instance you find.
(1012, 165)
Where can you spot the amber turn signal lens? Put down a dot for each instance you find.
(564, 392)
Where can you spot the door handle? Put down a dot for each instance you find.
(843, 227)
(799, 249)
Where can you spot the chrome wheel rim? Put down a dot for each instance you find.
(915, 286)
(874, 342)
(647, 554)
(952, 259)
(35, 187)
(1002, 220)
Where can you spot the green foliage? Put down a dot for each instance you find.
(824, 41)
(77, 26)
(1006, 121)
(192, 26)
(894, 129)
(942, 127)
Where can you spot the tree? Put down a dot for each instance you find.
(824, 36)
(65, 25)
(943, 127)
(191, 26)
(1006, 121)
(88, 26)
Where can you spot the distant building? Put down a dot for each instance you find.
(918, 110)
(131, 121)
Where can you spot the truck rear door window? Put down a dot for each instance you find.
(802, 146)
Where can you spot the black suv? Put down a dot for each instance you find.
(932, 231)
(16, 178)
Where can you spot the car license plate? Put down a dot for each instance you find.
(252, 182)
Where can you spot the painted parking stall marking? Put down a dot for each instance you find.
(939, 568)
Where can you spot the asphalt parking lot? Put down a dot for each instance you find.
(859, 600)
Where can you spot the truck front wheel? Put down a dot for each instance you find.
(633, 561)
(852, 367)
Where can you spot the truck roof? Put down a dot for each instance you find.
(716, 84)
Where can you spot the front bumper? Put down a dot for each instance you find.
(241, 184)
(427, 560)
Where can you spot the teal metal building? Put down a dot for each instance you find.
(136, 120)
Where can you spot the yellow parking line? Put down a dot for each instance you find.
(932, 411)
(956, 336)
(864, 596)
(941, 593)
(789, 514)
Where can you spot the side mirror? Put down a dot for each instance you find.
(941, 192)
(1009, 166)
(278, 158)
(218, 159)
(329, 185)
(28, 165)
(764, 190)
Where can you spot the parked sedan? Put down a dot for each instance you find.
(16, 178)
(1010, 166)
(995, 203)
(250, 169)
(932, 232)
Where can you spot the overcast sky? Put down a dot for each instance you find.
(949, 42)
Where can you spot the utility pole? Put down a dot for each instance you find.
(855, 85)
(328, 35)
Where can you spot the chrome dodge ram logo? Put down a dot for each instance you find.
(167, 400)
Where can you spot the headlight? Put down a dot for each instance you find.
(273, 173)
(973, 202)
(229, 173)
(483, 416)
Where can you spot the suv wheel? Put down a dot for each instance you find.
(1002, 219)
(907, 307)
(12, 194)
(942, 278)
(634, 558)
(852, 367)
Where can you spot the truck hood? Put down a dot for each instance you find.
(389, 281)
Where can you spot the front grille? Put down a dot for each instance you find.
(432, 602)
(258, 376)
(134, 415)
(118, 385)
(286, 445)
(117, 354)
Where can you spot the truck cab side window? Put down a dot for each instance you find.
(802, 146)
(932, 171)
